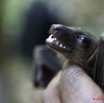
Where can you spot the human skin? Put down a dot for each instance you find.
(72, 85)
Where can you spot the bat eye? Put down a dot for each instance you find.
(83, 40)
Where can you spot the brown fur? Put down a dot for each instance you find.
(70, 85)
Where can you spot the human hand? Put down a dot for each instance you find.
(73, 86)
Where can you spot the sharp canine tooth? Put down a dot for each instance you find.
(50, 39)
(64, 47)
(61, 45)
(50, 35)
(55, 39)
(57, 42)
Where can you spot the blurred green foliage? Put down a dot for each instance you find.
(14, 11)
(82, 13)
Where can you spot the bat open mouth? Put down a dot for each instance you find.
(56, 44)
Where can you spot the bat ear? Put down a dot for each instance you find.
(92, 59)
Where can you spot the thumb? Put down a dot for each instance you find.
(78, 85)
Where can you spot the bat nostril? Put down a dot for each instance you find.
(55, 28)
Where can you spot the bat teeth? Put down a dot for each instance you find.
(61, 45)
(64, 47)
(57, 43)
(54, 40)
(51, 38)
